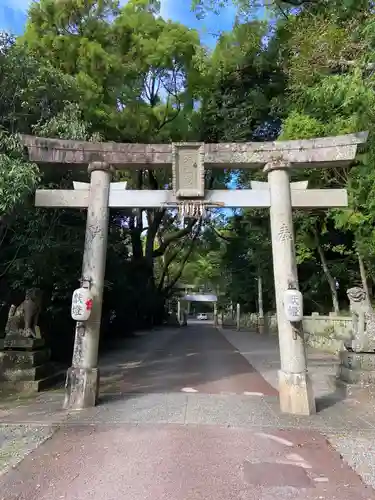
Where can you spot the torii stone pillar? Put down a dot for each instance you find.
(216, 319)
(295, 386)
(238, 317)
(179, 313)
(260, 305)
(82, 382)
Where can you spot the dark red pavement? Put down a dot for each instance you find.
(198, 358)
(168, 462)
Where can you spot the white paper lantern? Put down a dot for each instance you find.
(81, 304)
(293, 305)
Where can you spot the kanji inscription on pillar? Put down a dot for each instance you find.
(188, 170)
(284, 234)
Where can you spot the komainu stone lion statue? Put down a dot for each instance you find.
(23, 320)
(363, 317)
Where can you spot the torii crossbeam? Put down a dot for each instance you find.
(322, 152)
(244, 198)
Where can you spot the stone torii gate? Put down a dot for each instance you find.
(188, 161)
(202, 297)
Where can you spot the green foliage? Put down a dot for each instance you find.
(332, 93)
(242, 87)
(67, 124)
(31, 89)
(301, 125)
(136, 72)
(18, 177)
(17, 180)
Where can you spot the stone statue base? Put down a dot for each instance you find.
(25, 365)
(18, 342)
(357, 368)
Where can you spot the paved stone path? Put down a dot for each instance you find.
(185, 419)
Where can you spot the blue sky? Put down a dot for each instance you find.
(13, 17)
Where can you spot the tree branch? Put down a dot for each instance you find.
(167, 263)
(185, 259)
(173, 237)
(220, 235)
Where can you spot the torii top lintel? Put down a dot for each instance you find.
(321, 152)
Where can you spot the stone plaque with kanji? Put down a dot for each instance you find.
(188, 170)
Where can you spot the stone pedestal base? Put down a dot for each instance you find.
(357, 368)
(18, 343)
(25, 365)
(81, 388)
(296, 393)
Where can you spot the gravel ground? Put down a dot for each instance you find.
(17, 441)
(358, 452)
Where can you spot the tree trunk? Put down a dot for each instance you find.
(328, 275)
(363, 273)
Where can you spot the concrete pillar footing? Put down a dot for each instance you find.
(296, 393)
(81, 388)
